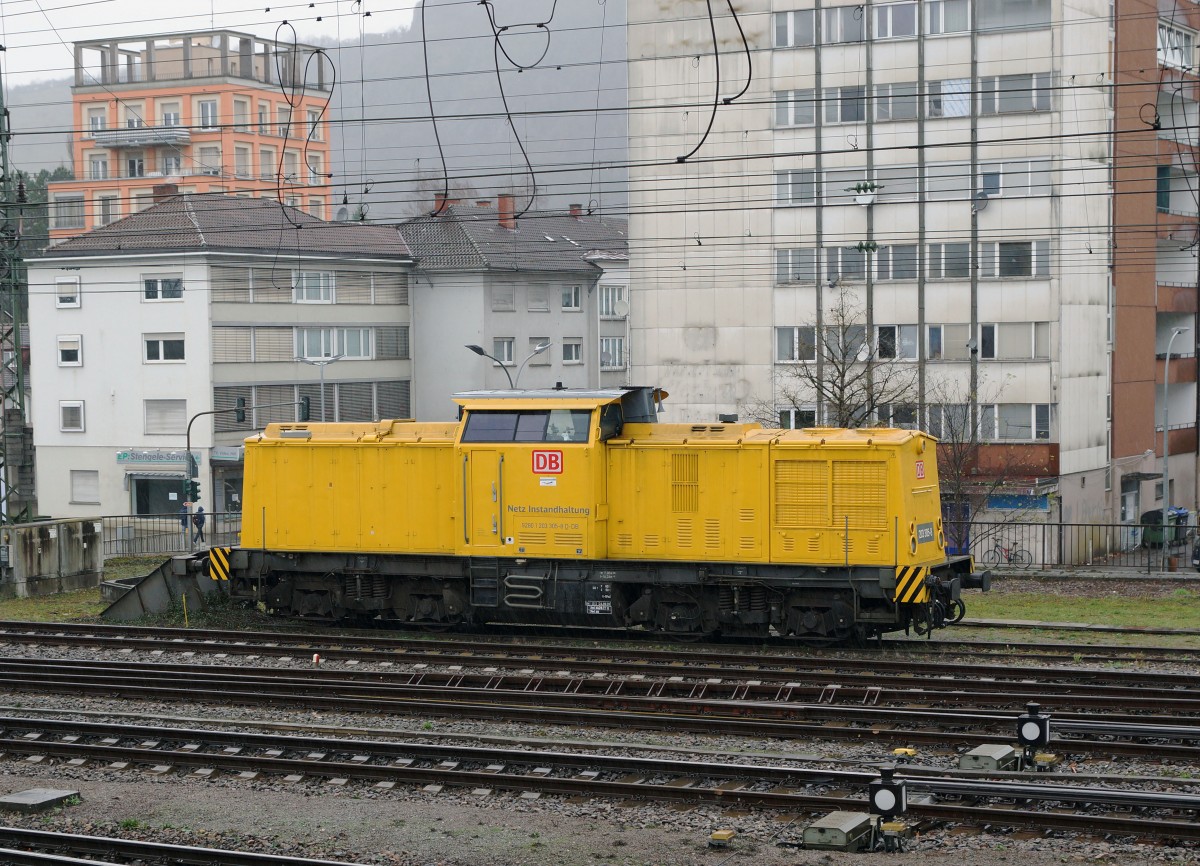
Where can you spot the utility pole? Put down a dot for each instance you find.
(16, 436)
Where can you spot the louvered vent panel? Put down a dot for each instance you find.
(860, 493)
(624, 539)
(814, 544)
(746, 515)
(568, 539)
(712, 534)
(747, 543)
(531, 538)
(684, 535)
(801, 493)
(685, 483)
(649, 541)
(788, 543)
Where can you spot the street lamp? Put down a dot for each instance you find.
(1166, 442)
(512, 383)
(320, 364)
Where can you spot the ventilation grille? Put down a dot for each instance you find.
(531, 538)
(801, 493)
(568, 539)
(685, 483)
(860, 493)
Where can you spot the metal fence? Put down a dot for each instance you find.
(1133, 546)
(152, 534)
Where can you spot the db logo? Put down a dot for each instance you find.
(920, 468)
(547, 463)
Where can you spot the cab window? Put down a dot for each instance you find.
(532, 425)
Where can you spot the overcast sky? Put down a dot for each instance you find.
(34, 31)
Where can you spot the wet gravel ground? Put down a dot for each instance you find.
(361, 824)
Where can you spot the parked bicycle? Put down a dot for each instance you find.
(1011, 555)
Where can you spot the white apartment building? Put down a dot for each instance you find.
(950, 164)
(201, 303)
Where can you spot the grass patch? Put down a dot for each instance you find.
(1178, 610)
(83, 605)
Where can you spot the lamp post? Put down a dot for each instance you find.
(512, 383)
(320, 364)
(1166, 441)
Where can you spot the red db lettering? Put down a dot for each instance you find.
(547, 462)
(920, 468)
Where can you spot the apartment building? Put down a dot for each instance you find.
(509, 284)
(141, 329)
(211, 111)
(991, 185)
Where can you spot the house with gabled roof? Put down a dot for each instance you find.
(201, 304)
(507, 284)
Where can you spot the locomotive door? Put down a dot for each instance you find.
(483, 499)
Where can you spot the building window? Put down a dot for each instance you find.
(169, 114)
(1008, 94)
(987, 342)
(502, 349)
(845, 263)
(66, 292)
(1176, 46)
(845, 24)
(315, 176)
(797, 187)
(612, 353)
(796, 344)
(897, 342)
(946, 16)
(1022, 421)
(314, 343)
(1014, 259)
(794, 29)
(896, 21)
(1013, 14)
(950, 97)
(314, 125)
(798, 417)
(264, 118)
(572, 351)
(796, 266)
(267, 167)
(612, 302)
(135, 165)
(795, 107)
(108, 209)
(133, 116)
(97, 119)
(70, 416)
(241, 115)
(933, 342)
(314, 287)
(950, 261)
(163, 348)
(351, 343)
(68, 212)
(1162, 188)
(70, 350)
(571, 297)
(538, 299)
(354, 343)
(85, 486)
(208, 113)
(897, 262)
(896, 101)
(172, 165)
(98, 166)
(166, 416)
(165, 288)
(845, 104)
(209, 161)
(283, 117)
(242, 166)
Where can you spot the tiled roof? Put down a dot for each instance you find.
(213, 221)
(466, 237)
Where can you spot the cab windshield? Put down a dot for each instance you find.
(528, 425)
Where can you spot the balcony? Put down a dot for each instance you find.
(1182, 438)
(1177, 297)
(142, 136)
(1182, 368)
(1002, 460)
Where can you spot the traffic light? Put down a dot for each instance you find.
(193, 490)
(240, 412)
(305, 408)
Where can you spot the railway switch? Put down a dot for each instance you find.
(888, 795)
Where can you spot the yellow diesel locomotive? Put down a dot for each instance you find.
(577, 508)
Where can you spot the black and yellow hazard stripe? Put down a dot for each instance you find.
(910, 584)
(218, 562)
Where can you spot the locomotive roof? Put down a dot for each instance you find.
(598, 395)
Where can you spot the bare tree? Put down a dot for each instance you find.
(854, 378)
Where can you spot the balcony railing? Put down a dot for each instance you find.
(142, 136)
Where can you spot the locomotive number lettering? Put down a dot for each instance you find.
(547, 462)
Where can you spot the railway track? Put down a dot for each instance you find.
(634, 703)
(488, 770)
(21, 847)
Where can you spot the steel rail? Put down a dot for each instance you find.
(150, 852)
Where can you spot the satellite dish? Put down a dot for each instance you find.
(621, 307)
(981, 200)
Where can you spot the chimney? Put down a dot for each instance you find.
(576, 210)
(504, 203)
(483, 202)
(441, 202)
(163, 191)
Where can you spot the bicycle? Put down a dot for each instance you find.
(1012, 555)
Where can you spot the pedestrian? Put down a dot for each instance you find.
(198, 522)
